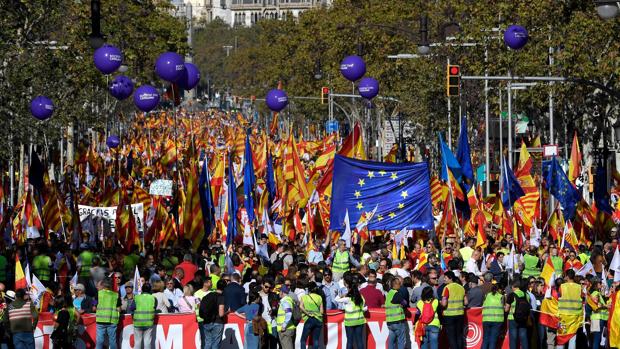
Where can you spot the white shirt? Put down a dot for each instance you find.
(472, 267)
(399, 272)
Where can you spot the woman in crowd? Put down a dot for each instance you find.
(250, 311)
(354, 308)
(187, 303)
(600, 312)
(429, 317)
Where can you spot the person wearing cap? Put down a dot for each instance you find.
(107, 314)
(128, 299)
(143, 311)
(22, 320)
(284, 319)
(82, 303)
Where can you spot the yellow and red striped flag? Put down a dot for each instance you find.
(523, 171)
(169, 153)
(193, 224)
(55, 213)
(439, 191)
(298, 193)
(548, 271)
(457, 191)
(217, 181)
(574, 164)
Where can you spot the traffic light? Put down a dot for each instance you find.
(324, 94)
(453, 83)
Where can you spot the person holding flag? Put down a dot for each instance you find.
(600, 312)
(570, 310)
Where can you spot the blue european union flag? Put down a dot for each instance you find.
(249, 180)
(206, 198)
(511, 190)
(231, 231)
(463, 154)
(400, 192)
(561, 188)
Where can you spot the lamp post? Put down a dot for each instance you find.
(607, 9)
(95, 39)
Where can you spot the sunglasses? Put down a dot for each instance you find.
(267, 286)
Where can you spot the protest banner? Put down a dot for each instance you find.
(109, 214)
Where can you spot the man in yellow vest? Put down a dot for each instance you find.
(41, 266)
(108, 310)
(600, 312)
(570, 307)
(453, 301)
(340, 261)
(532, 263)
(517, 330)
(85, 263)
(143, 310)
(284, 320)
(395, 316)
(467, 251)
(492, 317)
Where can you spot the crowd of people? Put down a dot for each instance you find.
(203, 255)
(433, 284)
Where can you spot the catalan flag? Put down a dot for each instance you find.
(193, 223)
(439, 191)
(297, 190)
(55, 213)
(169, 153)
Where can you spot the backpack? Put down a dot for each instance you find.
(296, 315)
(522, 310)
(428, 313)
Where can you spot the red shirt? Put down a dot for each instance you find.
(373, 297)
(189, 269)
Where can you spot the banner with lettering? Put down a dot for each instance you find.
(177, 331)
(109, 214)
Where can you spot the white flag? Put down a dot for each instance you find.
(74, 280)
(36, 289)
(137, 284)
(615, 262)
(346, 236)
(27, 274)
(586, 269)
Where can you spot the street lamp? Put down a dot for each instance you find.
(95, 39)
(424, 47)
(318, 72)
(607, 9)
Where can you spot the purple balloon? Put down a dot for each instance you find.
(368, 87)
(276, 100)
(113, 141)
(190, 77)
(169, 66)
(516, 37)
(146, 98)
(121, 87)
(108, 58)
(353, 68)
(42, 107)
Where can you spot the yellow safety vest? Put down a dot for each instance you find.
(455, 300)
(282, 313)
(312, 304)
(341, 262)
(493, 309)
(393, 312)
(570, 302)
(602, 313)
(354, 314)
(144, 315)
(107, 311)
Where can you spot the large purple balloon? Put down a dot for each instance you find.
(368, 87)
(121, 87)
(190, 77)
(108, 58)
(169, 66)
(276, 100)
(515, 37)
(113, 141)
(353, 68)
(146, 98)
(42, 107)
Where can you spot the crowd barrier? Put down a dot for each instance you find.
(177, 331)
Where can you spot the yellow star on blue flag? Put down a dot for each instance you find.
(401, 193)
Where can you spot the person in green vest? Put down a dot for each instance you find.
(284, 319)
(584, 255)
(431, 332)
(214, 272)
(557, 261)
(311, 307)
(354, 308)
(85, 263)
(41, 266)
(108, 310)
(200, 294)
(340, 261)
(600, 312)
(3, 268)
(395, 315)
(492, 317)
(517, 332)
(467, 251)
(453, 301)
(532, 263)
(143, 311)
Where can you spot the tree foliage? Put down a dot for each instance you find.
(44, 50)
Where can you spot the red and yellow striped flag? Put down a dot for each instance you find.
(391, 156)
(298, 193)
(55, 213)
(193, 224)
(523, 171)
(169, 153)
(457, 191)
(439, 191)
(614, 321)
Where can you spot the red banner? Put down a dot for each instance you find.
(176, 331)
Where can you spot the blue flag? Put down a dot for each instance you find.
(463, 154)
(249, 180)
(231, 230)
(399, 192)
(270, 181)
(601, 195)
(562, 189)
(206, 198)
(448, 160)
(511, 187)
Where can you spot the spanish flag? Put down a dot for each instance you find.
(20, 277)
(549, 313)
(614, 322)
(548, 271)
(574, 164)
